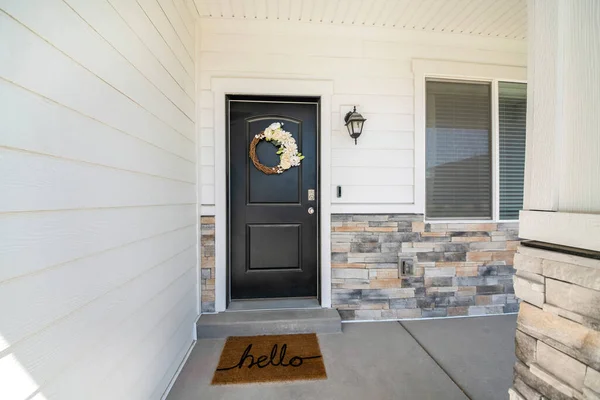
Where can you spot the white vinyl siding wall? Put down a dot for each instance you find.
(98, 218)
(370, 67)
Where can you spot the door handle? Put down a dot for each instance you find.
(311, 210)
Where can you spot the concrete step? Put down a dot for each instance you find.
(268, 322)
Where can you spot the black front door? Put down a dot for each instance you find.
(273, 225)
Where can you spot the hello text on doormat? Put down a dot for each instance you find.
(270, 359)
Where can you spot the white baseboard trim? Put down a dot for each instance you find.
(423, 319)
(181, 365)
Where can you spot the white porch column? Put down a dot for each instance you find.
(558, 328)
(562, 169)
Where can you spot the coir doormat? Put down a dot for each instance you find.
(270, 359)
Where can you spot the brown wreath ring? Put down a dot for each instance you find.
(261, 167)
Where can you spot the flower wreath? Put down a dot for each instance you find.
(288, 149)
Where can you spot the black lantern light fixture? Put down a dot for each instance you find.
(354, 123)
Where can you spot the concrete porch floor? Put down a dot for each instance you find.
(434, 359)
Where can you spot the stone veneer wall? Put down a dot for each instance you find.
(207, 263)
(459, 268)
(558, 328)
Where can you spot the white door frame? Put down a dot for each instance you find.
(220, 88)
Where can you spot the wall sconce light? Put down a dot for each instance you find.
(354, 123)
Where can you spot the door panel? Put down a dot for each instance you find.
(262, 239)
(273, 239)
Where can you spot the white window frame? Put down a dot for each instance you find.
(467, 72)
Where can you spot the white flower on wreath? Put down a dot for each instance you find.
(288, 149)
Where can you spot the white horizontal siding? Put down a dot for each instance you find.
(98, 220)
(89, 140)
(143, 25)
(370, 67)
(36, 182)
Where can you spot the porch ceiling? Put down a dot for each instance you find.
(491, 18)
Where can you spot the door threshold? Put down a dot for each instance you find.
(273, 304)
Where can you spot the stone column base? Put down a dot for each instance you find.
(558, 328)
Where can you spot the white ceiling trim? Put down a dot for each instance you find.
(488, 18)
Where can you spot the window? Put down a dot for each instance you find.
(512, 104)
(460, 165)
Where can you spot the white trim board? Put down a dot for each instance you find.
(220, 88)
(567, 229)
(423, 69)
(179, 368)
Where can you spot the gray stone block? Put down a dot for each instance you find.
(208, 228)
(506, 270)
(469, 234)
(455, 256)
(340, 238)
(205, 273)
(403, 303)
(470, 280)
(392, 246)
(405, 226)
(341, 217)
(486, 310)
(430, 257)
(352, 273)
(413, 282)
(339, 257)
(439, 281)
(490, 289)
(434, 239)
(461, 301)
(208, 306)
(382, 265)
(487, 245)
(207, 251)
(341, 296)
(434, 312)
(488, 270)
(382, 295)
(365, 238)
(406, 217)
(453, 247)
(380, 257)
(368, 247)
(508, 226)
(369, 217)
(386, 237)
(387, 224)
(426, 302)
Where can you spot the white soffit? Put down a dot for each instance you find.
(491, 18)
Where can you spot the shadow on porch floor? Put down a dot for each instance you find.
(450, 359)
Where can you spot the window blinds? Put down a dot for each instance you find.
(512, 104)
(458, 141)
